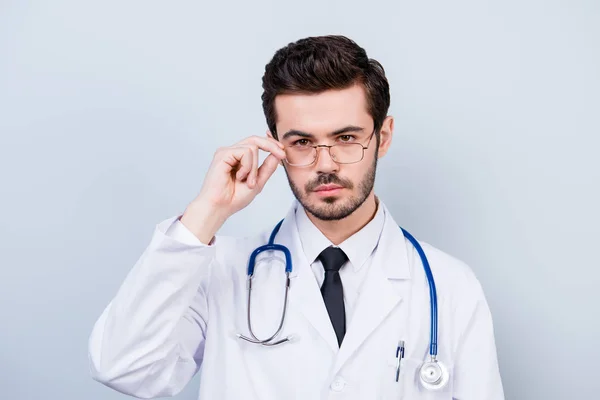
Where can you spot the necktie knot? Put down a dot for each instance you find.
(333, 258)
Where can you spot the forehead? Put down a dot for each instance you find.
(323, 112)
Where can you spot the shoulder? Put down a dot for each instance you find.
(455, 280)
(234, 251)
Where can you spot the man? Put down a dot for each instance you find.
(357, 316)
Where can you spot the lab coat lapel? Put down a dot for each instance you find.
(386, 283)
(305, 294)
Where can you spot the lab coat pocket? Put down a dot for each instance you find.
(390, 388)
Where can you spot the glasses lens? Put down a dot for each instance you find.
(347, 153)
(300, 155)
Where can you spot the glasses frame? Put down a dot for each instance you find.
(329, 146)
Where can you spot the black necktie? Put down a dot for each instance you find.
(332, 259)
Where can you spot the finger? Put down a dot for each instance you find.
(239, 160)
(247, 165)
(266, 170)
(264, 139)
(250, 176)
(266, 144)
(254, 172)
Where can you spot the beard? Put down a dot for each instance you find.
(334, 208)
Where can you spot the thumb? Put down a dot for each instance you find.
(266, 170)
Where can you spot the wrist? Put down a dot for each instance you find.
(203, 221)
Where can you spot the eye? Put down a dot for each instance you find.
(301, 143)
(346, 138)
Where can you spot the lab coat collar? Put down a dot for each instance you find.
(357, 247)
(396, 247)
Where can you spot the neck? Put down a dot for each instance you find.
(340, 230)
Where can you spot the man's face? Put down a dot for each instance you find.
(326, 189)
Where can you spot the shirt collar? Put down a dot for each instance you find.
(357, 247)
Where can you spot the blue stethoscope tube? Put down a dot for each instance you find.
(432, 294)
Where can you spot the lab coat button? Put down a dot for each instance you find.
(338, 384)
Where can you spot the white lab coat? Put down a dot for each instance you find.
(180, 307)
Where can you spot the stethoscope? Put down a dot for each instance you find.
(433, 375)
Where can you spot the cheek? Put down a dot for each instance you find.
(355, 173)
(298, 177)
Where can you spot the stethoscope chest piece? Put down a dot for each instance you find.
(433, 375)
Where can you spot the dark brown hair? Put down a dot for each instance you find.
(317, 64)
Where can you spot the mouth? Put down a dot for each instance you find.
(328, 190)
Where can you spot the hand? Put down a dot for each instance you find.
(233, 180)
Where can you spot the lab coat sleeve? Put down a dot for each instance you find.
(149, 340)
(476, 372)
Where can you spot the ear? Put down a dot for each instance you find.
(385, 135)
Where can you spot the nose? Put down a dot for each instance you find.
(324, 161)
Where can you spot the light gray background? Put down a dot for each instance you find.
(110, 112)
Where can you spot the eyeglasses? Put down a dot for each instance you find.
(303, 155)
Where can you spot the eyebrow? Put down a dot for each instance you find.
(346, 129)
